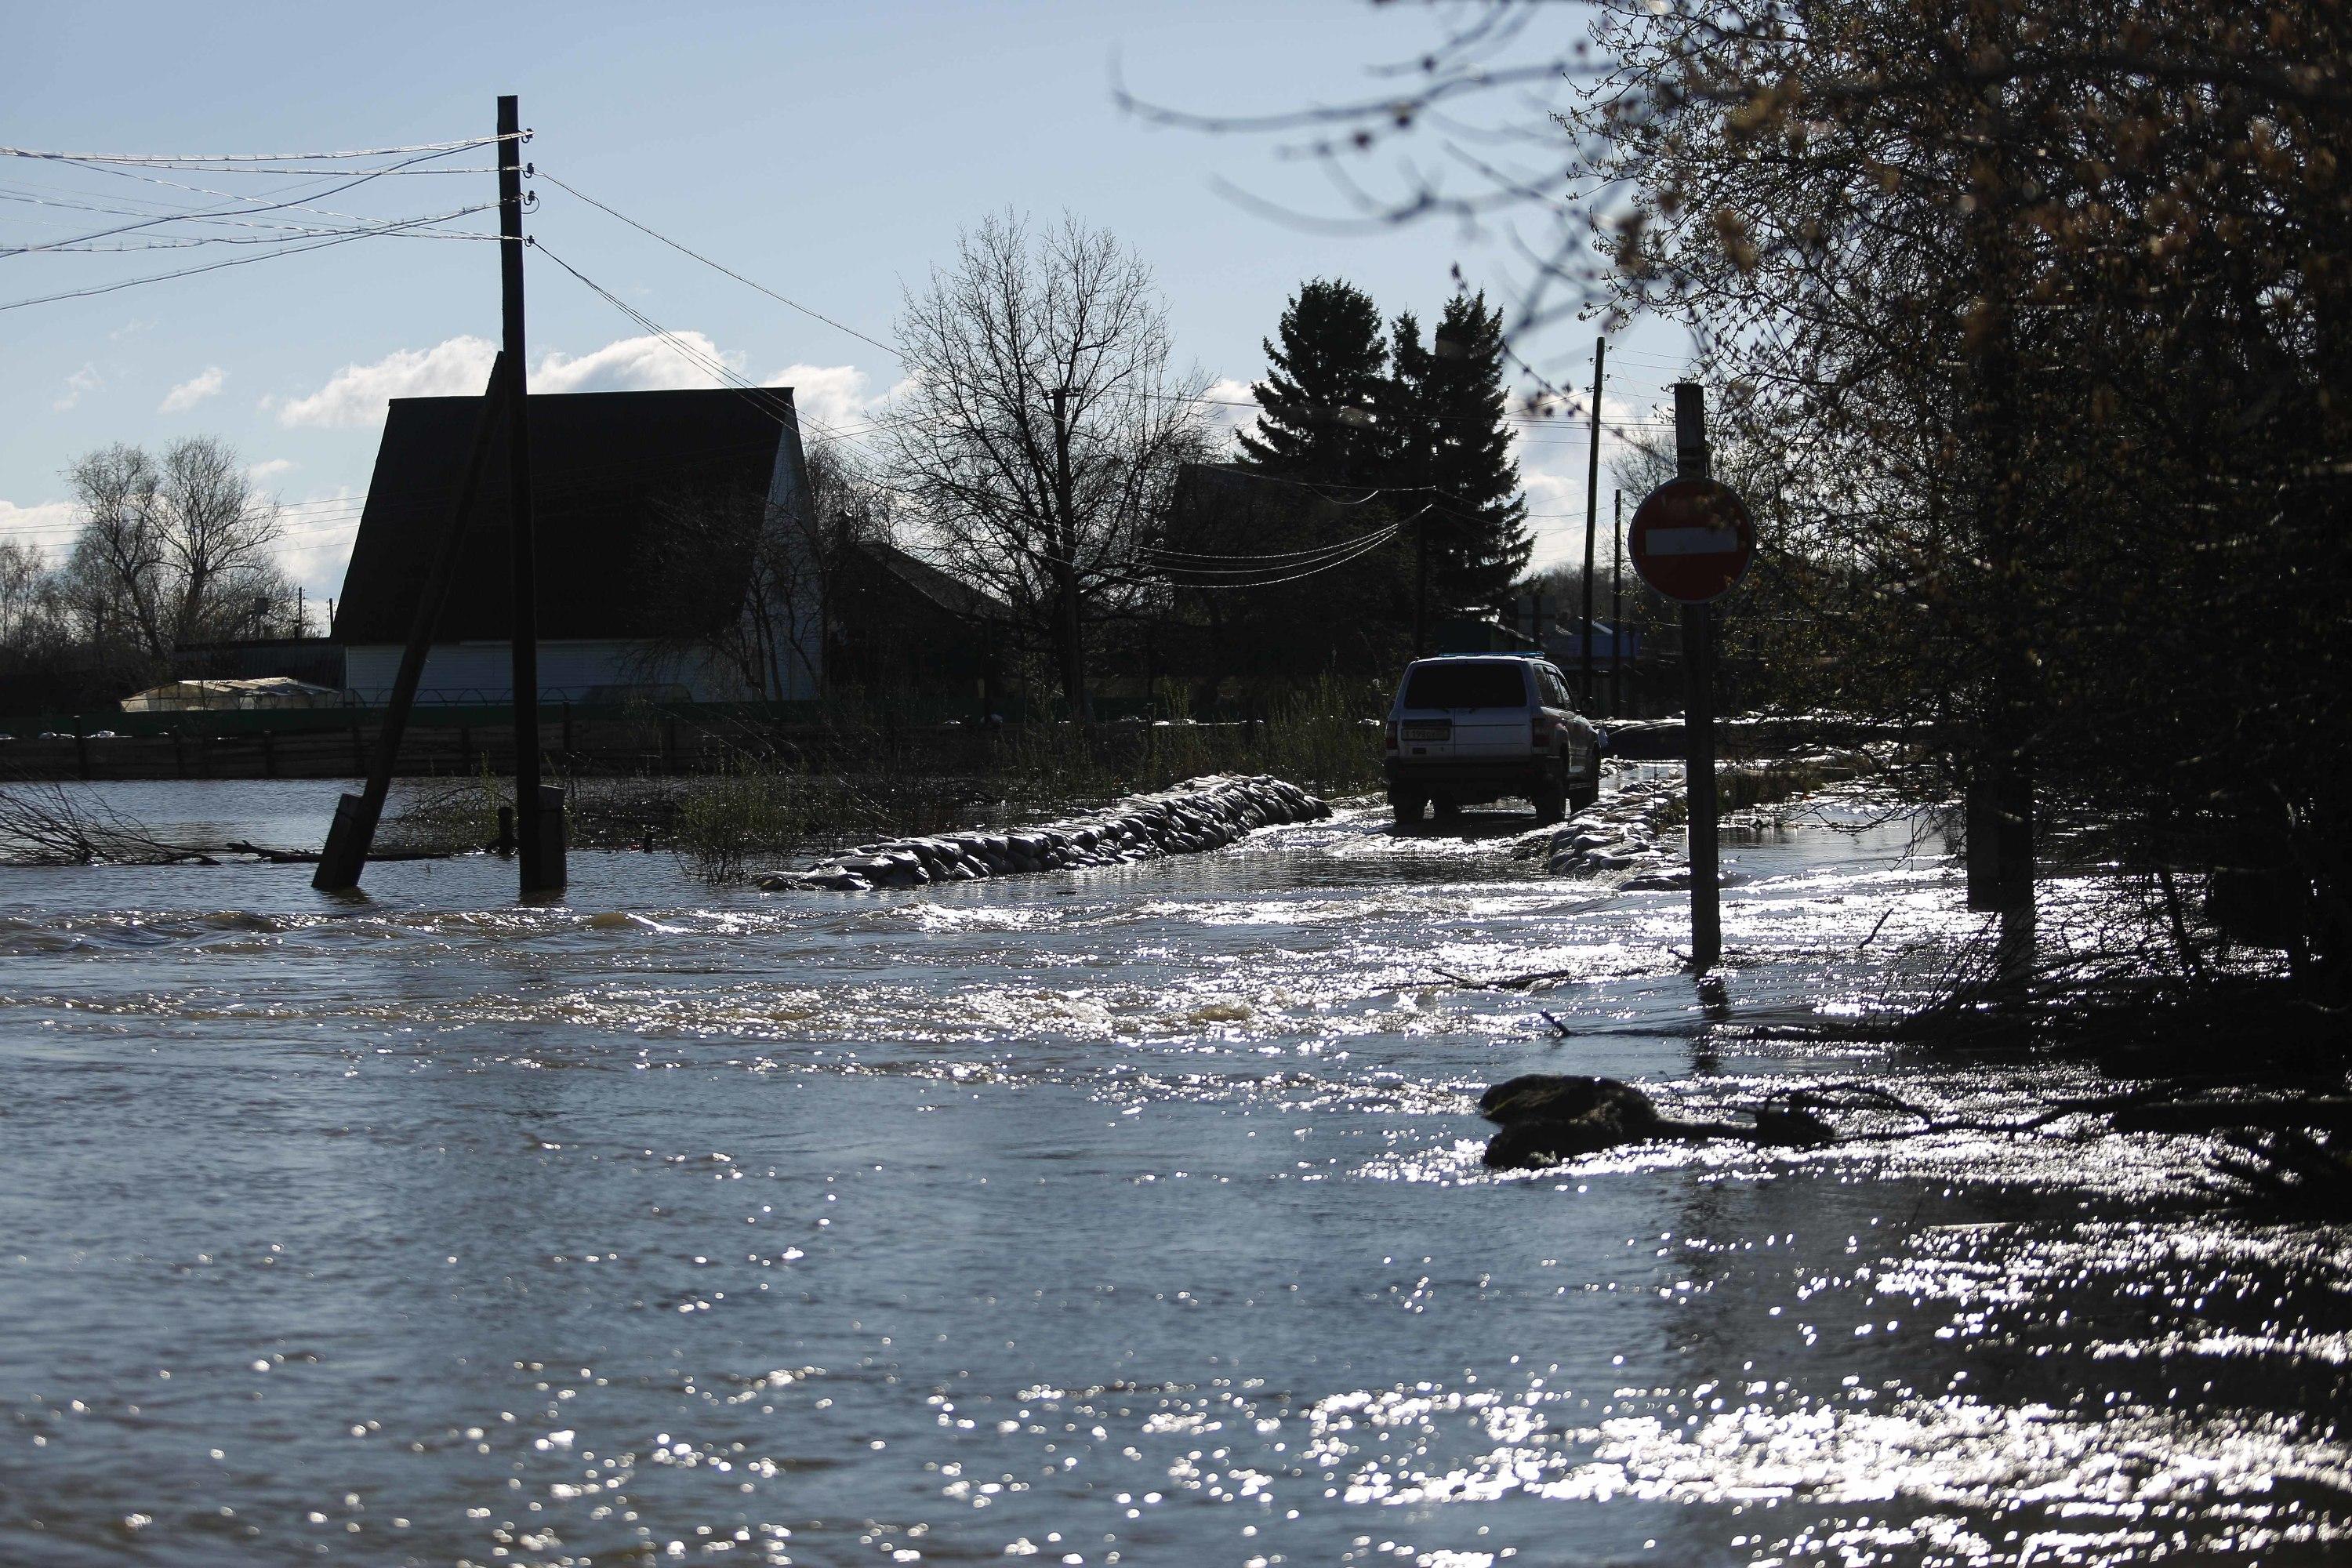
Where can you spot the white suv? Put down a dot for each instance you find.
(1471, 728)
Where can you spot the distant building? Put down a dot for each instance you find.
(638, 591)
(317, 661)
(1564, 644)
(260, 692)
(899, 624)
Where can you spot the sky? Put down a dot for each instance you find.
(831, 153)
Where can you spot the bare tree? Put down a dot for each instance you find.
(219, 540)
(170, 552)
(1043, 427)
(113, 573)
(26, 600)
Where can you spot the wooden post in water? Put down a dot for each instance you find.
(354, 833)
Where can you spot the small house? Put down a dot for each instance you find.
(648, 512)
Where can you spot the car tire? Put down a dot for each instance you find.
(1550, 795)
(1448, 808)
(1407, 807)
(1582, 796)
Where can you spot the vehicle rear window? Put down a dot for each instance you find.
(1467, 686)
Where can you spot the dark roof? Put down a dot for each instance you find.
(941, 587)
(603, 466)
(1228, 482)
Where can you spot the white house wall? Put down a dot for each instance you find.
(803, 620)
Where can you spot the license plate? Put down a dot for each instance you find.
(1437, 731)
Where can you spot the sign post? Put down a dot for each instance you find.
(1692, 540)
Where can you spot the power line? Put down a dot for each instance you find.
(1326, 566)
(249, 206)
(404, 229)
(1270, 557)
(171, 158)
(218, 266)
(717, 267)
(175, 211)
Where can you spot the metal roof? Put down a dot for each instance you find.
(604, 466)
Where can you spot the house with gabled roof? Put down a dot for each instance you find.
(621, 483)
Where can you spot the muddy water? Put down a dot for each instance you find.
(1131, 1216)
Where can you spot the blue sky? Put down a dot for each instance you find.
(830, 151)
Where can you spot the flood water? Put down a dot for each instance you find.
(1128, 1215)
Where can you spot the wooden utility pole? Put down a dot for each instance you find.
(1420, 586)
(538, 831)
(1691, 462)
(352, 833)
(1617, 606)
(1999, 798)
(1592, 509)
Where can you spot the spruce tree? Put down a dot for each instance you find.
(1445, 431)
(1317, 406)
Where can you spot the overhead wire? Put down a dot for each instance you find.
(1319, 568)
(408, 228)
(1268, 555)
(216, 265)
(1185, 570)
(540, 172)
(462, 145)
(242, 215)
(247, 207)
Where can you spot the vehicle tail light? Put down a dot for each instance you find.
(1392, 734)
(1540, 732)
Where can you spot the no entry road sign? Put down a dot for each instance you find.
(1692, 540)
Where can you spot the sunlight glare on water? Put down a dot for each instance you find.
(1132, 1216)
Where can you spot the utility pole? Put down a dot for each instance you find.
(1420, 586)
(1617, 606)
(1065, 566)
(539, 832)
(1593, 509)
(1692, 462)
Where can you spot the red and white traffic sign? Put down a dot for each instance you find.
(1692, 540)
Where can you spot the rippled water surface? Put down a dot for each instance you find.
(1128, 1215)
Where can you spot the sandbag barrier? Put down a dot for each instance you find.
(1620, 833)
(1198, 814)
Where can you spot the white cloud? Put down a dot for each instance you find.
(46, 526)
(832, 398)
(314, 553)
(456, 367)
(86, 379)
(259, 472)
(1229, 408)
(1552, 453)
(355, 394)
(193, 391)
(635, 364)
